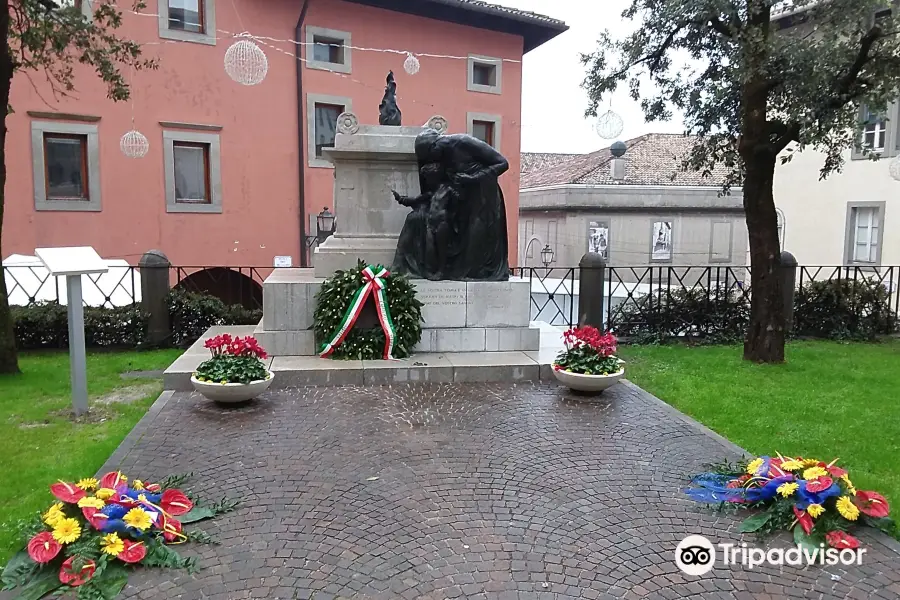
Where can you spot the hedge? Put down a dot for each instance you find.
(834, 309)
(45, 325)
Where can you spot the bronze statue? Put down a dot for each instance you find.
(457, 230)
(388, 111)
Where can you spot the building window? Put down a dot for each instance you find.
(66, 165)
(720, 241)
(328, 49)
(188, 20)
(484, 131)
(186, 15)
(322, 116)
(864, 231)
(65, 158)
(485, 127)
(193, 172)
(875, 134)
(879, 133)
(485, 74)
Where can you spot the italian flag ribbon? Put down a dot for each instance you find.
(372, 284)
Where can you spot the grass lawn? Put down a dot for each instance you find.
(39, 441)
(830, 400)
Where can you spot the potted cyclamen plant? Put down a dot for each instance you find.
(589, 362)
(235, 373)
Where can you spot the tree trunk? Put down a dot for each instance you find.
(9, 362)
(765, 334)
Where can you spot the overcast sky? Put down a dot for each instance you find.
(553, 102)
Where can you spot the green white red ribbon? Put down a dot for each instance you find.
(372, 285)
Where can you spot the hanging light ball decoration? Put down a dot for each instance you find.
(134, 144)
(411, 64)
(609, 126)
(245, 62)
(895, 168)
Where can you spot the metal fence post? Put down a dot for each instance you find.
(154, 288)
(592, 290)
(788, 276)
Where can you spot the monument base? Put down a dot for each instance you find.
(459, 316)
(343, 251)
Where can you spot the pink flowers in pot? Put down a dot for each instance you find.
(226, 345)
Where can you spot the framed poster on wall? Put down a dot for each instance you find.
(598, 239)
(661, 241)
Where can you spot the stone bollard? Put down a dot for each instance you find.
(788, 274)
(592, 290)
(154, 288)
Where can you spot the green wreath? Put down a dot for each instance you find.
(333, 313)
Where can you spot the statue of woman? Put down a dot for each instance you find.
(477, 247)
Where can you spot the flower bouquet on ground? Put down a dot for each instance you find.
(589, 362)
(236, 372)
(99, 529)
(817, 500)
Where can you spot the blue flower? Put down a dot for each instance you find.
(114, 511)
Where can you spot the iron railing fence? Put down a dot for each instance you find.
(633, 296)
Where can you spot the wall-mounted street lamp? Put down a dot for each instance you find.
(324, 224)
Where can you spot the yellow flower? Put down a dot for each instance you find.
(791, 465)
(105, 493)
(815, 510)
(754, 465)
(786, 489)
(88, 483)
(138, 518)
(851, 489)
(847, 509)
(92, 502)
(66, 531)
(112, 544)
(54, 514)
(811, 462)
(813, 472)
(137, 484)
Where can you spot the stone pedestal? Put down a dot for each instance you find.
(369, 162)
(459, 316)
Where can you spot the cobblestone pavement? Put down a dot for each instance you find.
(453, 491)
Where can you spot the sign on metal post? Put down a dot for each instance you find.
(72, 263)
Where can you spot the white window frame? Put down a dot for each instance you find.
(877, 129)
(343, 36)
(497, 120)
(208, 36)
(39, 166)
(497, 63)
(888, 124)
(712, 240)
(215, 170)
(311, 101)
(875, 220)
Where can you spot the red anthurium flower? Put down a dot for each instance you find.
(134, 552)
(42, 548)
(836, 472)
(841, 540)
(153, 488)
(804, 520)
(872, 504)
(175, 503)
(69, 576)
(113, 480)
(819, 484)
(96, 518)
(172, 530)
(67, 492)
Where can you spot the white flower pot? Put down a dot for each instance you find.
(588, 383)
(232, 393)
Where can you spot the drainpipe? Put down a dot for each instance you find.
(301, 137)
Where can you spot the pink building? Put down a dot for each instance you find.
(235, 174)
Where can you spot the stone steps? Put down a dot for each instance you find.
(457, 367)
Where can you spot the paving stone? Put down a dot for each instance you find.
(374, 492)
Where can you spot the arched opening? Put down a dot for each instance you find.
(230, 286)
